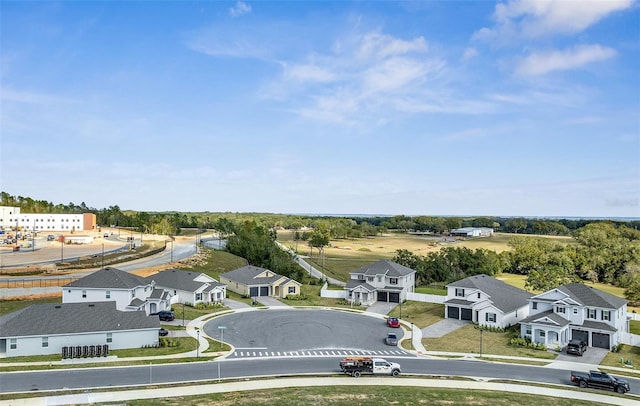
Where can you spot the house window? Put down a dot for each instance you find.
(606, 315)
(478, 295)
(198, 296)
(360, 277)
(490, 317)
(527, 330)
(393, 281)
(575, 311)
(534, 305)
(560, 310)
(459, 292)
(109, 337)
(292, 290)
(13, 343)
(370, 278)
(108, 294)
(591, 314)
(379, 278)
(84, 294)
(543, 333)
(45, 342)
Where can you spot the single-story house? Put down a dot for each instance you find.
(382, 281)
(42, 329)
(129, 291)
(254, 281)
(190, 287)
(486, 301)
(472, 232)
(576, 311)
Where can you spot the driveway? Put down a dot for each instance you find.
(592, 356)
(381, 307)
(269, 301)
(443, 327)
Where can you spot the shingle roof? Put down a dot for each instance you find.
(70, 318)
(247, 276)
(354, 283)
(592, 297)
(182, 280)
(109, 278)
(385, 267)
(504, 296)
(559, 320)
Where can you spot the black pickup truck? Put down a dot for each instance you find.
(597, 379)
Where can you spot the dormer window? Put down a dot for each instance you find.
(478, 295)
(393, 281)
(459, 292)
(534, 305)
(560, 310)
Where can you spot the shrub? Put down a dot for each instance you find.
(296, 297)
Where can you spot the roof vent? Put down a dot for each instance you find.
(58, 307)
(92, 305)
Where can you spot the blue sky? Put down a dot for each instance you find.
(509, 108)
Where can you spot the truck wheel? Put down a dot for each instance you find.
(620, 389)
(582, 384)
(356, 374)
(395, 372)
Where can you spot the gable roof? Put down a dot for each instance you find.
(592, 297)
(109, 278)
(385, 267)
(70, 318)
(505, 297)
(539, 318)
(247, 275)
(183, 280)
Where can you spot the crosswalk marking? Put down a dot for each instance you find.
(319, 353)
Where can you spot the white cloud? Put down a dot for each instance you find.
(545, 62)
(307, 73)
(380, 46)
(538, 18)
(469, 54)
(239, 9)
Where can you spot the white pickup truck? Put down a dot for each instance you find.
(356, 366)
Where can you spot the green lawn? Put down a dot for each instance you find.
(419, 313)
(217, 262)
(10, 306)
(628, 352)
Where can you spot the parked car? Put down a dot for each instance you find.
(597, 379)
(577, 347)
(166, 315)
(163, 332)
(50, 237)
(392, 339)
(393, 322)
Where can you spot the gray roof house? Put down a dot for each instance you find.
(384, 281)
(576, 311)
(253, 281)
(487, 301)
(190, 287)
(47, 328)
(129, 291)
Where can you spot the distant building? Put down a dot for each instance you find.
(254, 281)
(12, 219)
(472, 232)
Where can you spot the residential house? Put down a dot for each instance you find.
(190, 287)
(576, 311)
(46, 328)
(384, 281)
(129, 291)
(472, 232)
(254, 281)
(486, 301)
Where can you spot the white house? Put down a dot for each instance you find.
(472, 232)
(130, 292)
(384, 281)
(190, 287)
(576, 311)
(254, 281)
(486, 301)
(46, 328)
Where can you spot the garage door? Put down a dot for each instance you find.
(264, 291)
(382, 296)
(394, 297)
(600, 340)
(580, 335)
(466, 314)
(253, 292)
(452, 312)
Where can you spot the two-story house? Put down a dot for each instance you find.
(130, 292)
(576, 311)
(486, 301)
(190, 287)
(384, 281)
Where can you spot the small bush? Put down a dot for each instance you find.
(296, 297)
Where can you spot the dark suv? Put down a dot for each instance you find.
(166, 315)
(577, 347)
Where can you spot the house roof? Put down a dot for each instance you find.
(247, 275)
(459, 302)
(385, 267)
(109, 278)
(182, 280)
(354, 283)
(597, 325)
(592, 297)
(504, 297)
(557, 319)
(72, 318)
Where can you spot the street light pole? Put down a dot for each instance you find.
(198, 345)
(102, 255)
(480, 342)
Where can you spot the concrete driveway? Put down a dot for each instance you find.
(593, 356)
(269, 301)
(381, 307)
(443, 327)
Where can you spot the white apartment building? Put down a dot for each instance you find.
(12, 219)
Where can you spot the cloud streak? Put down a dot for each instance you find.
(541, 63)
